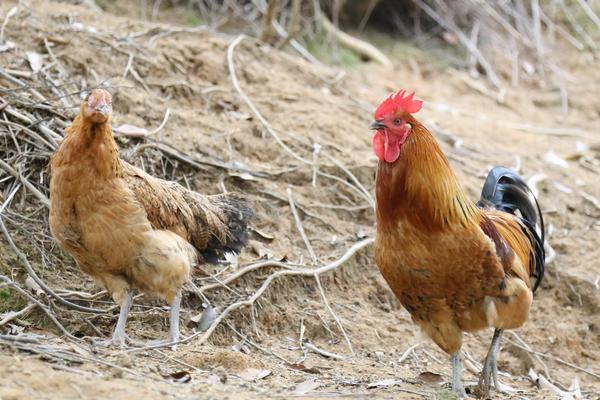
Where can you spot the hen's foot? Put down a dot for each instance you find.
(121, 341)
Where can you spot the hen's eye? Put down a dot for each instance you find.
(397, 121)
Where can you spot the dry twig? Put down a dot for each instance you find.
(37, 279)
(311, 252)
(44, 308)
(362, 48)
(290, 271)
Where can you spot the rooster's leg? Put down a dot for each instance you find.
(174, 319)
(457, 386)
(490, 368)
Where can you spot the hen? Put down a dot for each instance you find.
(456, 266)
(127, 229)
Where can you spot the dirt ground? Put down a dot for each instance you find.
(257, 354)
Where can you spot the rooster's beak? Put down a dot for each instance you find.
(377, 125)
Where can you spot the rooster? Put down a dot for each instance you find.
(127, 229)
(456, 266)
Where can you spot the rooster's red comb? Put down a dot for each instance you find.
(402, 101)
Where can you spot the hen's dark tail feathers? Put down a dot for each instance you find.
(226, 216)
(506, 191)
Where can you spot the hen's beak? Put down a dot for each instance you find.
(99, 105)
(102, 108)
(377, 125)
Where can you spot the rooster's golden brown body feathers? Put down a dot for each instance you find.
(454, 266)
(436, 257)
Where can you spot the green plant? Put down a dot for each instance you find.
(4, 294)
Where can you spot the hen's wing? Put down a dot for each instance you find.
(214, 225)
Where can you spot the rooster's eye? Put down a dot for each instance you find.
(397, 121)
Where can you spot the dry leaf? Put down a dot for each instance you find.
(33, 286)
(179, 377)
(131, 130)
(11, 13)
(35, 61)
(253, 374)
(430, 378)
(239, 115)
(78, 26)
(240, 347)
(563, 188)
(304, 368)
(214, 379)
(306, 387)
(384, 383)
(263, 234)
(555, 159)
(6, 46)
(260, 249)
(204, 320)
(243, 175)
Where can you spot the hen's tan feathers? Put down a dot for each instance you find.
(127, 228)
(207, 222)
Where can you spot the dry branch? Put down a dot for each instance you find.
(11, 12)
(360, 47)
(333, 314)
(232, 72)
(294, 24)
(249, 302)
(251, 105)
(489, 70)
(44, 308)
(41, 197)
(37, 279)
(324, 353)
(269, 16)
(311, 252)
(13, 315)
(589, 12)
(290, 272)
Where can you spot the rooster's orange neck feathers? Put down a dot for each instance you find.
(420, 187)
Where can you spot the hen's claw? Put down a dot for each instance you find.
(174, 334)
(115, 341)
(119, 337)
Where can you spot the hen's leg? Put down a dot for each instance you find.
(173, 324)
(119, 337)
(490, 368)
(457, 386)
(174, 319)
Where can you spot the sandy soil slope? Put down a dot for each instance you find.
(187, 73)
